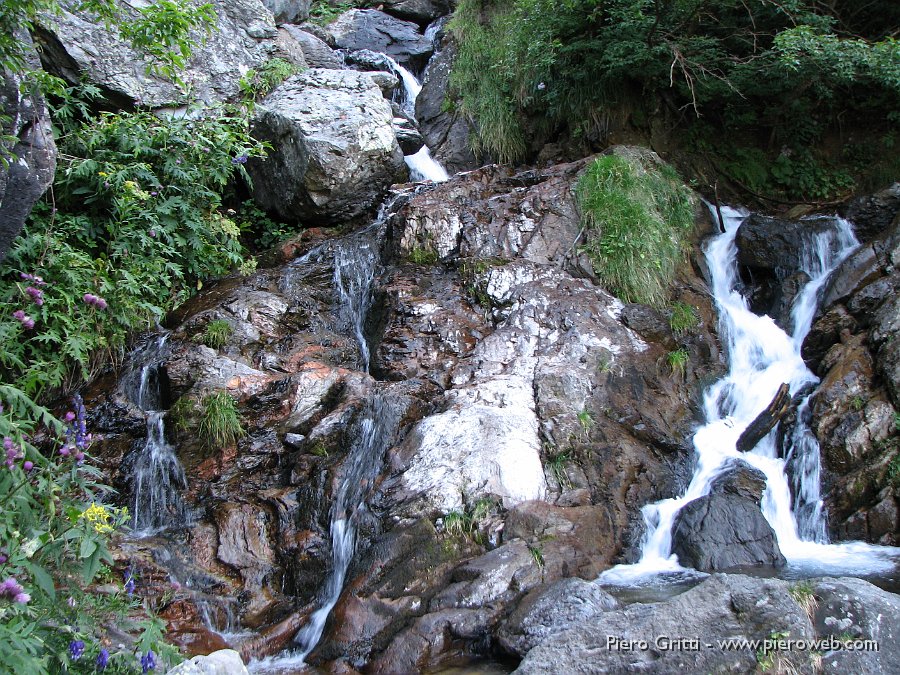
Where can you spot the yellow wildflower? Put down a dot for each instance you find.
(98, 516)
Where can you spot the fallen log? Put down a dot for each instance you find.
(766, 420)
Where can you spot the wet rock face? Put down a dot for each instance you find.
(23, 180)
(770, 258)
(380, 32)
(684, 634)
(334, 149)
(853, 347)
(76, 45)
(446, 132)
(533, 423)
(288, 11)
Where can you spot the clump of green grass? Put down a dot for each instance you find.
(220, 424)
(537, 555)
(683, 318)
(586, 420)
(557, 465)
(319, 449)
(217, 333)
(467, 522)
(678, 361)
(420, 255)
(638, 220)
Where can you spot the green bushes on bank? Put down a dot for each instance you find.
(731, 76)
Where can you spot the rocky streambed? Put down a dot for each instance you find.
(448, 428)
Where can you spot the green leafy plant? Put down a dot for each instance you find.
(220, 424)
(638, 218)
(217, 333)
(678, 361)
(132, 230)
(857, 403)
(537, 555)
(324, 12)
(683, 318)
(319, 449)
(256, 84)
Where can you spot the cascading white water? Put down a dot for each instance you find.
(761, 357)
(422, 165)
(157, 477)
(355, 263)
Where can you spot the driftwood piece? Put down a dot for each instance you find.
(766, 420)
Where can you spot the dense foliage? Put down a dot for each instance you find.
(132, 225)
(776, 74)
(638, 219)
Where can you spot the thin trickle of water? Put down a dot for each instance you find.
(371, 437)
(355, 261)
(761, 358)
(158, 477)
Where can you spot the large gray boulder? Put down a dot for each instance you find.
(316, 51)
(288, 11)
(74, 44)
(30, 163)
(221, 662)
(334, 151)
(726, 528)
(548, 610)
(380, 32)
(420, 11)
(682, 635)
(853, 610)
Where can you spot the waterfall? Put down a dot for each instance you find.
(355, 264)
(421, 165)
(761, 357)
(157, 476)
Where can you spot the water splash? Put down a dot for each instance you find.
(422, 165)
(761, 357)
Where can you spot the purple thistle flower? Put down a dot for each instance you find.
(102, 658)
(154, 193)
(148, 661)
(10, 587)
(3, 558)
(64, 451)
(69, 416)
(37, 295)
(76, 649)
(22, 598)
(28, 323)
(90, 298)
(37, 281)
(19, 315)
(28, 466)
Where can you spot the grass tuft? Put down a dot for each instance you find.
(217, 333)
(638, 220)
(683, 319)
(220, 424)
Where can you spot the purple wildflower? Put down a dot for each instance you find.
(240, 159)
(102, 658)
(76, 649)
(129, 581)
(22, 598)
(69, 416)
(28, 466)
(37, 295)
(3, 558)
(12, 589)
(37, 281)
(148, 661)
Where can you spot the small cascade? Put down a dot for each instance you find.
(355, 266)
(421, 164)
(761, 357)
(354, 270)
(371, 438)
(157, 477)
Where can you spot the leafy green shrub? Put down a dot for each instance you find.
(638, 220)
(55, 530)
(220, 424)
(217, 333)
(776, 75)
(256, 84)
(133, 223)
(324, 12)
